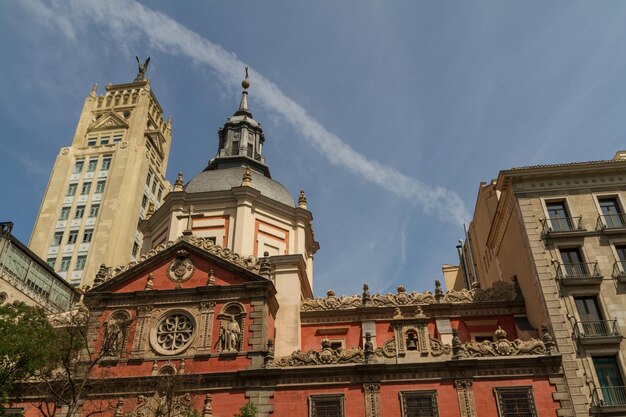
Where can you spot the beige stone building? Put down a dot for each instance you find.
(560, 231)
(105, 182)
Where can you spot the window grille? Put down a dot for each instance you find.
(326, 405)
(515, 402)
(419, 404)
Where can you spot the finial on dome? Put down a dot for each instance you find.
(169, 122)
(178, 185)
(302, 200)
(94, 90)
(246, 82)
(247, 178)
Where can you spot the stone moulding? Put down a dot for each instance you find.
(250, 263)
(500, 291)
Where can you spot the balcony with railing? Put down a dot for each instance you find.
(580, 273)
(562, 226)
(619, 271)
(611, 222)
(609, 401)
(597, 332)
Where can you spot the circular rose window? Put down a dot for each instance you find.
(173, 333)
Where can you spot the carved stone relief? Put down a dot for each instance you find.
(372, 399)
(181, 268)
(465, 394)
(231, 328)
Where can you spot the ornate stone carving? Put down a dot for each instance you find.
(501, 291)
(327, 356)
(173, 333)
(372, 399)
(501, 347)
(181, 268)
(331, 302)
(231, 325)
(388, 350)
(465, 395)
(250, 263)
(437, 348)
(115, 334)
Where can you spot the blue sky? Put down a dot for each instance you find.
(388, 114)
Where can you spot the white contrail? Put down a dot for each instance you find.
(128, 17)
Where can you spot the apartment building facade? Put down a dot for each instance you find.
(560, 231)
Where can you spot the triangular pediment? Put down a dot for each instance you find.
(108, 121)
(188, 263)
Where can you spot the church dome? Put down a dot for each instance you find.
(226, 178)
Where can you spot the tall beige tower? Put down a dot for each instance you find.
(102, 185)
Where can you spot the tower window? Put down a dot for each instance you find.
(51, 262)
(92, 164)
(148, 179)
(235, 148)
(250, 150)
(71, 190)
(80, 263)
(91, 142)
(78, 166)
(144, 201)
(104, 140)
(106, 163)
(93, 211)
(86, 188)
(72, 236)
(87, 235)
(160, 194)
(80, 211)
(100, 187)
(65, 264)
(135, 249)
(117, 138)
(154, 185)
(57, 238)
(65, 213)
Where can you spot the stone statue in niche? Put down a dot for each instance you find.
(230, 335)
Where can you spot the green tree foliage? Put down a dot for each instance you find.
(248, 410)
(25, 348)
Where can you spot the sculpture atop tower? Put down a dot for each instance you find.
(101, 185)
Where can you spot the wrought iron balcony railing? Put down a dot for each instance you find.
(619, 269)
(611, 221)
(578, 270)
(562, 225)
(596, 329)
(609, 396)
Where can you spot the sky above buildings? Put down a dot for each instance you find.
(388, 114)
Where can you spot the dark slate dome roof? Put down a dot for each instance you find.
(227, 178)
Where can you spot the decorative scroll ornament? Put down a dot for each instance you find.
(388, 350)
(500, 291)
(250, 263)
(331, 302)
(181, 269)
(437, 348)
(327, 356)
(501, 347)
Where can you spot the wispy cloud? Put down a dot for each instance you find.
(127, 21)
